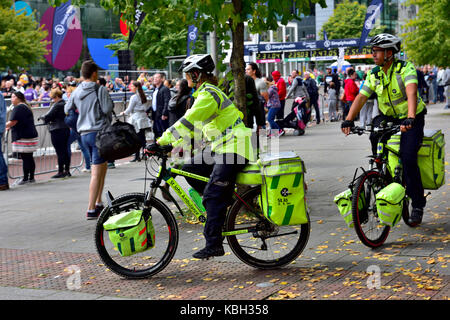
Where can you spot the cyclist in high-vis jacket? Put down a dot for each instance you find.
(213, 116)
(395, 83)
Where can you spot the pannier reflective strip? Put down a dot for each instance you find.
(389, 201)
(282, 190)
(430, 158)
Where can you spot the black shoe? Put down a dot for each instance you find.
(415, 218)
(207, 253)
(59, 175)
(92, 215)
(99, 209)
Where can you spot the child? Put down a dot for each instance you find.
(274, 105)
(332, 102)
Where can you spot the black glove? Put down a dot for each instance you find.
(408, 122)
(347, 124)
(151, 148)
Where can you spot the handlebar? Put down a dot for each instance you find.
(391, 128)
(157, 150)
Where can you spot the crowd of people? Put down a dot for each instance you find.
(156, 103)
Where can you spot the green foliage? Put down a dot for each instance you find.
(162, 33)
(429, 40)
(347, 21)
(21, 39)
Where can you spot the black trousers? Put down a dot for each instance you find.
(409, 146)
(60, 138)
(28, 165)
(217, 193)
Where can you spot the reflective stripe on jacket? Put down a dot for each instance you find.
(215, 117)
(390, 88)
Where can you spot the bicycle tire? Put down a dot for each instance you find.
(160, 255)
(367, 186)
(277, 254)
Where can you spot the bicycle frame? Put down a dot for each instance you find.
(166, 175)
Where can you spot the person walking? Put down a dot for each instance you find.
(4, 185)
(350, 91)
(297, 88)
(95, 108)
(395, 83)
(313, 92)
(24, 136)
(281, 86)
(59, 132)
(273, 106)
(212, 113)
(138, 117)
(252, 70)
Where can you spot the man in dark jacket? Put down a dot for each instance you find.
(159, 105)
(332, 77)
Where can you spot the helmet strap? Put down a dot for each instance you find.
(386, 60)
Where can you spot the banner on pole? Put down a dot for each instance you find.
(139, 16)
(373, 12)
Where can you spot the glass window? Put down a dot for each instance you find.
(278, 34)
(264, 36)
(290, 35)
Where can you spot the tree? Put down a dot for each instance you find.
(224, 16)
(428, 38)
(347, 21)
(161, 34)
(21, 38)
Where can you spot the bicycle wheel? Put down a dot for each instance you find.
(146, 263)
(268, 246)
(365, 218)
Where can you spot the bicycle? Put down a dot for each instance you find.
(252, 238)
(365, 217)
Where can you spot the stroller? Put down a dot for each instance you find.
(297, 119)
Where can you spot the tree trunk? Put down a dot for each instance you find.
(238, 63)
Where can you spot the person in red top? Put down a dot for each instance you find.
(351, 90)
(281, 85)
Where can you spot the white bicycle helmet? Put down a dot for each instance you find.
(386, 41)
(199, 62)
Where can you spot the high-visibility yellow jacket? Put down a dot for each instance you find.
(390, 88)
(215, 117)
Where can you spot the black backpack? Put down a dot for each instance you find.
(311, 87)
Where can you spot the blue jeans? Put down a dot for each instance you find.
(89, 142)
(3, 168)
(271, 118)
(75, 136)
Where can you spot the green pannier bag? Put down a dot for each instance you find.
(430, 158)
(389, 202)
(250, 175)
(344, 203)
(129, 233)
(282, 190)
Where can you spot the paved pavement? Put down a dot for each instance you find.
(46, 242)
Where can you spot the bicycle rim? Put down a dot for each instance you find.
(367, 224)
(146, 263)
(281, 245)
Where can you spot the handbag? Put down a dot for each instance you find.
(117, 141)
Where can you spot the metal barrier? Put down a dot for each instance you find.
(45, 157)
